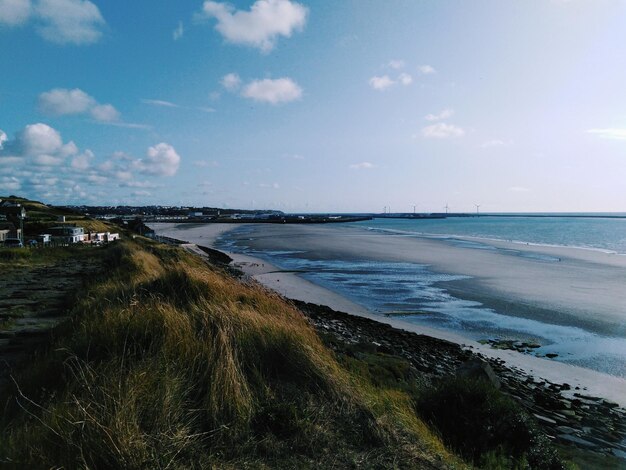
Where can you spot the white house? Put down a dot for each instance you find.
(67, 234)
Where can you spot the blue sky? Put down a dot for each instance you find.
(314, 105)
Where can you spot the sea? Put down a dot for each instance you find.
(419, 295)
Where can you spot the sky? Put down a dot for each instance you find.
(316, 106)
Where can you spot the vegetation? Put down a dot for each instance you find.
(169, 363)
(486, 427)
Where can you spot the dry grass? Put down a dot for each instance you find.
(169, 363)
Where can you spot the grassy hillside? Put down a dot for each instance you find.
(39, 216)
(170, 363)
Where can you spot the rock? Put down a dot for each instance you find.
(479, 370)
(545, 419)
(610, 404)
(576, 440)
(551, 355)
(565, 430)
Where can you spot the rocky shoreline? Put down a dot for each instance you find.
(569, 417)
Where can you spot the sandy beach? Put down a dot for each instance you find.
(560, 289)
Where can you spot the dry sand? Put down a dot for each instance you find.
(495, 274)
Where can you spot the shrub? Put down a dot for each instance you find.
(485, 426)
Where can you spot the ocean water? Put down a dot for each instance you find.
(608, 234)
(420, 296)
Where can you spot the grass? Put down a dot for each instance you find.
(170, 363)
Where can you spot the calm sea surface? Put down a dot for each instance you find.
(420, 295)
(599, 233)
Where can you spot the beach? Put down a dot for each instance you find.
(554, 286)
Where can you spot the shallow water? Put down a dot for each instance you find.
(421, 296)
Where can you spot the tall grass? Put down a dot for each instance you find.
(169, 363)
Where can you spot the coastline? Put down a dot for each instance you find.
(292, 286)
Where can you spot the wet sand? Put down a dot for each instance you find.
(583, 288)
(554, 288)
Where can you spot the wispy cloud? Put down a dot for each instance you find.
(231, 81)
(445, 114)
(206, 163)
(128, 125)
(166, 104)
(169, 104)
(426, 69)
(609, 133)
(362, 166)
(384, 82)
(178, 32)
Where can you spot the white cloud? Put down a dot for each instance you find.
(280, 90)
(381, 83)
(397, 64)
(82, 161)
(160, 160)
(69, 21)
(445, 114)
(261, 26)
(362, 166)
(166, 104)
(14, 12)
(178, 32)
(61, 101)
(405, 79)
(231, 81)
(37, 139)
(426, 70)
(609, 133)
(105, 113)
(141, 193)
(40, 144)
(442, 130)
(3, 138)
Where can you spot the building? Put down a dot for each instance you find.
(100, 237)
(67, 234)
(9, 230)
(44, 238)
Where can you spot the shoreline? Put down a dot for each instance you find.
(292, 286)
(569, 412)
